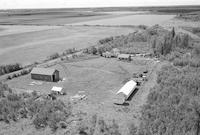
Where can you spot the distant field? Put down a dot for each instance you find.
(50, 17)
(17, 29)
(27, 47)
(138, 19)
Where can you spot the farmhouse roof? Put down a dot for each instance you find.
(123, 56)
(128, 88)
(43, 71)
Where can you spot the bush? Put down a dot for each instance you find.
(106, 40)
(196, 30)
(195, 62)
(13, 97)
(144, 27)
(5, 69)
(63, 124)
(196, 50)
(181, 62)
(40, 122)
(53, 56)
(132, 130)
(92, 50)
(50, 113)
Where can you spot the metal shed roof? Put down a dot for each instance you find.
(58, 89)
(43, 71)
(128, 88)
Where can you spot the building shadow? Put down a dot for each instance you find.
(132, 95)
(124, 104)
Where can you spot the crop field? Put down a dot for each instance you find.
(36, 44)
(99, 79)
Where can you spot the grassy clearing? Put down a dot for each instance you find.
(100, 79)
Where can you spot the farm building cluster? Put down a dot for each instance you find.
(52, 75)
(115, 53)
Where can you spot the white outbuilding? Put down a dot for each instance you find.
(124, 93)
(57, 89)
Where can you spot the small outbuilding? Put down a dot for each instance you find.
(107, 54)
(116, 51)
(124, 93)
(124, 57)
(58, 90)
(45, 74)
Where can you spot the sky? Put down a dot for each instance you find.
(17, 4)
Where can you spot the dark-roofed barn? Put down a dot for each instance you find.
(45, 74)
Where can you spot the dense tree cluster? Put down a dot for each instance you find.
(98, 126)
(173, 106)
(43, 112)
(163, 42)
(121, 42)
(5, 69)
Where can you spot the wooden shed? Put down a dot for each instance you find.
(124, 57)
(45, 74)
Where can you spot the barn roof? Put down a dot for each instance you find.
(43, 71)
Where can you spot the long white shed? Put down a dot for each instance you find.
(125, 92)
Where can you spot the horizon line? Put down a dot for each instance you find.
(150, 6)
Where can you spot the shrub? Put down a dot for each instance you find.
(106, 40)
(9, 77)
(14, 75)
(132, 130)
(196, 50)
(50, 113)
(63, 124)
(40, 122)
(196, 30)
(181, 62)
(13, 97)
(92, 50)
(143, 27)
(5, 69)
(53, 56)
(69, 51)
(195, 62)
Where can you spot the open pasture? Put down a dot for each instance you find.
(99, 79)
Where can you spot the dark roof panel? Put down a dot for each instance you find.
(43, 71)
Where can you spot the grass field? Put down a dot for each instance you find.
(100, 79)
(30, 46)
(97, 77)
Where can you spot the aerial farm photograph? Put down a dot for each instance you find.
(99, 67)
